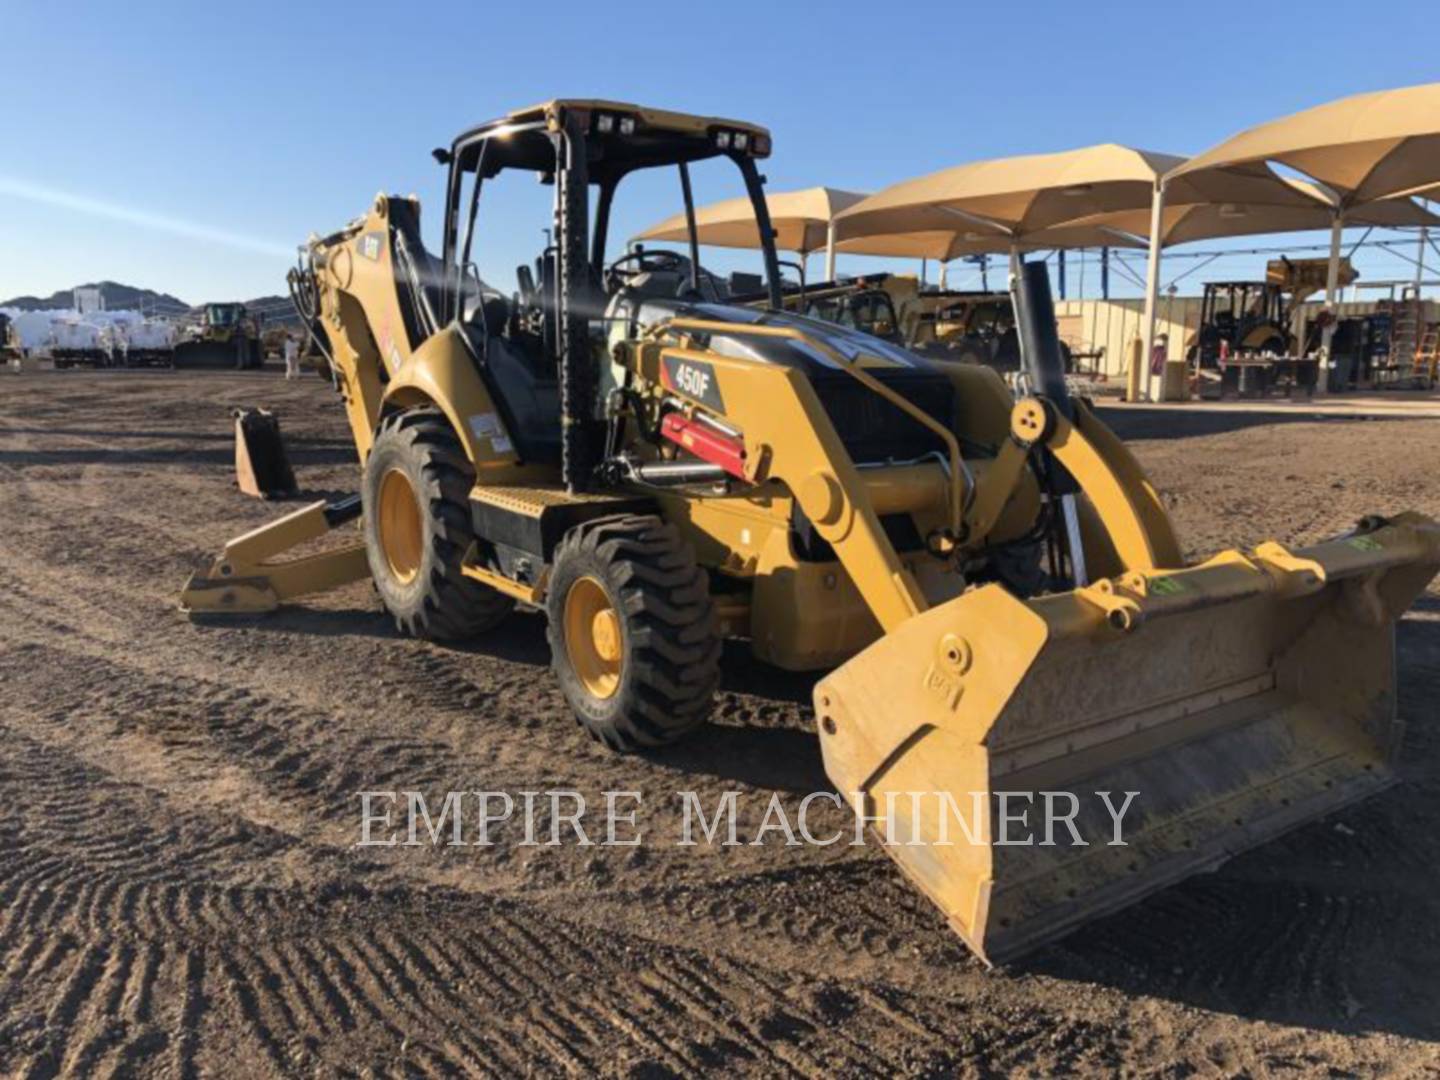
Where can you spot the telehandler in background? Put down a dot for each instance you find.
(657, 471)
(1246, 333)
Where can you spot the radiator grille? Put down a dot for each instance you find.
(874, 430)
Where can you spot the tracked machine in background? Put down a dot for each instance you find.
(226, 336)
(1001, 587)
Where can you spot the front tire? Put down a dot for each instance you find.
(417, 530)
(633, 635)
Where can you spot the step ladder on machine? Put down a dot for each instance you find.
(1404, 338)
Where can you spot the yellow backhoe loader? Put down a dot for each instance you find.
(998, 583)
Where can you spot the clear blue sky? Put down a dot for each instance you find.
(188, 147)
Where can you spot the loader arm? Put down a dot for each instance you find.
(789, 437)
(1139, 532)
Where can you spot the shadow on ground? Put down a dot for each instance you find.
(1140, 423)
(302, 454)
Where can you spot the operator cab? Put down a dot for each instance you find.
(221, 315)
(582, 150)
(871, 311)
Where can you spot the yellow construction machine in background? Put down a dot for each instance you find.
(999, 583)
(225, 336)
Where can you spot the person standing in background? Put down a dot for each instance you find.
(292, 357)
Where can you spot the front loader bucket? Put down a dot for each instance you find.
(232, 355)
(1236, 699)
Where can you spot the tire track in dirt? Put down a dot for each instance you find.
(179, 912)
(169, 906)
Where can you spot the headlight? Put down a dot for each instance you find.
(627, 125)
(605, 123)
(722, 140)
(741, 140)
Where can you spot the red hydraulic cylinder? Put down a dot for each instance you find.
(706, 442)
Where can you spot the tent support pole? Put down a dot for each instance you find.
(1420, 259)
(1332, 290)
(830, 252)
(1141, 378)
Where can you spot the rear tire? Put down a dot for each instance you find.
(634, 640)
(417, 530)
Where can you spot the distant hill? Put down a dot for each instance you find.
(118, 297)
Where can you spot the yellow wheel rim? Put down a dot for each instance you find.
(592, 637)
(402, 535)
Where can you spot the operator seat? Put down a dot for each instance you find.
(525, 391)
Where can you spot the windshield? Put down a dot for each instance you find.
(503, 228)
(868, 311)
(654, 246)
(221, 314)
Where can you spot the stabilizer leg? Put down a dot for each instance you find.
(247, 579)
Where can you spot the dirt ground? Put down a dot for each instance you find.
(180, 894)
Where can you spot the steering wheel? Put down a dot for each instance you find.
(634, 263)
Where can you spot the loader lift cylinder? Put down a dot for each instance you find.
(1039, 340)
(1040, 354)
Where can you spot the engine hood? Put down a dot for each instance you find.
(883, 359)
(872, 429)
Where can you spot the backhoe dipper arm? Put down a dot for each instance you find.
(358, 279)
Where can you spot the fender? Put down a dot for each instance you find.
(441, 373)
